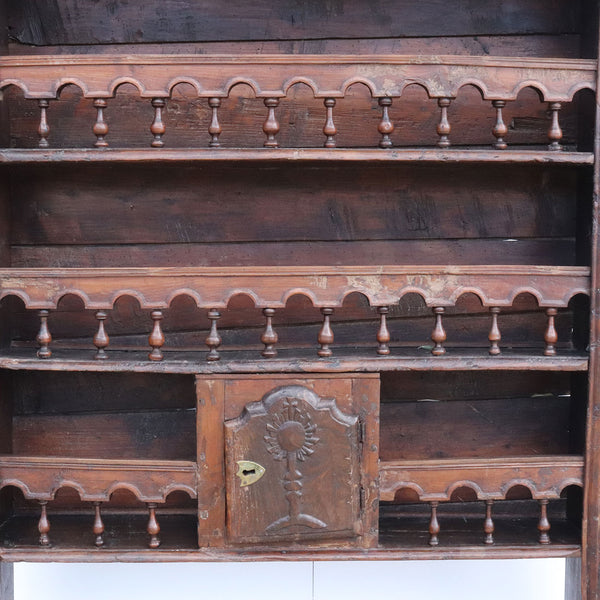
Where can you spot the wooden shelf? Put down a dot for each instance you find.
(297, 361)
(20, 156)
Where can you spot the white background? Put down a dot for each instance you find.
(532, 579)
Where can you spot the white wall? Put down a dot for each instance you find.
(533, 579)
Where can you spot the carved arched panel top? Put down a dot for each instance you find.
(271, 287)
(498, 78)
(96, 480)
(544, 476)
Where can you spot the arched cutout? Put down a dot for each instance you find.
(68, 495)
(356, 117)
(583, 108)
(525, 301)
(415, 116)
(302, 116)
(406, 495)
(128, 116)
(184, 299)
(519, 491)
(242, 300)
(471, 88)
(186, 115)
(579, 307)
(470, 301)
(463, 492)
(124, 494)
(241, 116)
(184, 87)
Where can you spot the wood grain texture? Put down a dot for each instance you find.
(95, 480)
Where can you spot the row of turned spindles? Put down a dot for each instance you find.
(271, 126)
(489, 528)
(269, 337)
(153, 528)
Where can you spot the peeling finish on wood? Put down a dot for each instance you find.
(271, 287)
(271, 76)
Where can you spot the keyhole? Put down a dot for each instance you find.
(247, 472)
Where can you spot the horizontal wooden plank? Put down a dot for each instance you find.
(165, 435)
(204, 204)
(548, 251)
(478, 428)
(79, 22)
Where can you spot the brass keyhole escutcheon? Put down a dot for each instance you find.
(249, 472)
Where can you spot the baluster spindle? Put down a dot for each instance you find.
(269, 338)
(443, 128)
(153, 526)
(543, 523)
(550, 335)
(488, 525)
(101, 339)
(43, 128)
(43, 337)
(383, 335)
(214, 129)
(500, 129)
(325, 337)
(213, 341)
(100, 128)
(98, 525)
(158, 127)
(271, 125)
(329, 129)
(555, 132)
(157, 338)
(44, 524)
(385, 127)
(494, 335)
(438, 335)
(434, 526)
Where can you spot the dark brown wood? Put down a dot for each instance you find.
(500, 129)
(385, 127)
(101, 339)
(213, 341)
(98, 528)
(383, 335)
(329, 129)
(494, 335)
(43, 337)
(269, 338)
(158, 127)
(43, 128)
(156, 339)
(100, 128)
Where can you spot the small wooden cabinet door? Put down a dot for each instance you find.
(310, 453)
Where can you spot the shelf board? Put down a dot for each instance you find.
(165, 155)
(297, 361)
(401, 539)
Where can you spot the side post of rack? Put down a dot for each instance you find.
(590, 542)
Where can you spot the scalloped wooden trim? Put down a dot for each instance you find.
(271, 76)
(490, 478)
(39, 478)
(271, 287)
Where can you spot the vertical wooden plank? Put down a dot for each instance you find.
(365, 396)
(590, 575)
(7, 581)
(573, 579)
(210, 394)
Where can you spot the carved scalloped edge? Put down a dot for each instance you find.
(490, 479)
(41, 478)
(271, 287)
(215, 76)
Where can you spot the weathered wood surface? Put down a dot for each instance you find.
(78, 22)
(490, 478)
(95, 480)
(271, 286)
(272, 76)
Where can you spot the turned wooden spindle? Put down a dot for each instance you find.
(488, 525)
(329, 129)
(555, 132)
(158, 127)
(43, 337)
(550, 335)
(213, 341)
(153, 526)
(543, 523)
(214, 129)
(100, 128)
(434, 526)
(157, 338)
(44, 524)
(101, 339)
(494, 335)
(269, 338)
(443, 128)
(325, 337)
(500, 129)
(98, 525)
(43, 128)
(438, 336)
(271, 125)
(385, 127)
(383, 335)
